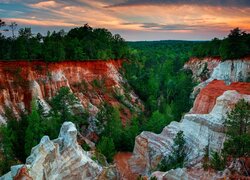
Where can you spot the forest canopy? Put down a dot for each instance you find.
(87, 43)
(80, 43)
(235, 45)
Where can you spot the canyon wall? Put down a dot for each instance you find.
(229, 71)
(92, 82)
(202, 68)
(203, 125)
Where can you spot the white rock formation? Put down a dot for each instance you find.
(61, 158)
(199, 130)
(232, 71)
(228, 71)
(189, 174)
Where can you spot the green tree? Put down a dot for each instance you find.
(13, 26)
(237, 130)
(128, 135)
(34, 131)
(12, 140)
(234, 46)
(179, 152)
(8, 157)
(52, 125)
(53, 51)
(73, 49)
(63, 103)
(156, 122)
(119, 47)
(217, 161)
(106, 146)
(113, 127)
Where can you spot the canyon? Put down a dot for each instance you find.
(221, 85)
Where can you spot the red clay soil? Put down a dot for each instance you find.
(16, 75)
(207, 59)
(121, 160)
(16, 78)
(22, 174)
(206, 99)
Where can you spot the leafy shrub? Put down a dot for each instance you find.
(106, 146)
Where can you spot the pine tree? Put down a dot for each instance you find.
(238, 130)
(63, 102)
(106, 146)
(179, 152)
(34, 131)
(113, 128)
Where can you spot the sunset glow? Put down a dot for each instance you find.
(134, 20)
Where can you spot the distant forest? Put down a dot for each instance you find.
(81, 43)
(85, 43)
(235, 45)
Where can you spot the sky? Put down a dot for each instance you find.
(133, 19)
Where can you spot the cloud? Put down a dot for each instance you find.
(162, 18)
(177, 27)
(45, 4)
(223, 3)
(35, 22)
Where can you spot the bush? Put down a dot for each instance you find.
(106, 146)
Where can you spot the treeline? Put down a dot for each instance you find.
(81, 43)
(235, 45)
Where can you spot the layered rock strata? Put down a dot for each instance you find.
(229, 71)
(225, 83)
(199, 130)
(92, 82)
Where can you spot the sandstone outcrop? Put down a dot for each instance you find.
(237, 169)
(186, 174)
(229, 71)
(206, 99)
(92, 82)
(61, 158)
(199, 130)
(202, 68)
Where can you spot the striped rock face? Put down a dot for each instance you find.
(203, 124)
(92, 82)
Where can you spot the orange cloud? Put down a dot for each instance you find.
(39, 22)
(45, 4)
(181, 19)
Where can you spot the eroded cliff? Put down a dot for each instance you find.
(204, 123)
(92, 82)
